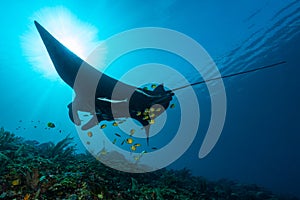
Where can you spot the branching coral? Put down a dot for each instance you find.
(8, 141)
(62, 150)
(54, 171)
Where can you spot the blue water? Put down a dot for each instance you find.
(260, 139)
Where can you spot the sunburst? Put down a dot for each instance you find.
(80, 37)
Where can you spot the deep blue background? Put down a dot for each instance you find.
(260, 140)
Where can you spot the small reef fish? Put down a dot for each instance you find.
(133, 148)
(172, 105)
(26, 197)
(137, 145)
(152, 115)
(123, 142)
(88, 143)
(118, 135)
(16, 182)
(129, 141)
(50, 125)
(138, 113)
(90, 134)
(114, 142)
(103, 126)
(115, 124)
(146, 117)
(132, 131)
(152, 121)
(153, 86)
(158, 109)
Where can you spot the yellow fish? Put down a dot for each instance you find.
(153, 86)
(133, 148)
(137, 145)
(151, 121)
(129, 141)
(138, 113)
(103, 126)
(90, 134)
(115, 124)
(26, 197)
(152, 115)
(16, 182)
(146, 117)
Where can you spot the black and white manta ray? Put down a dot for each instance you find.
(103, 96)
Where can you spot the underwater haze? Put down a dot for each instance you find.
(259, 141)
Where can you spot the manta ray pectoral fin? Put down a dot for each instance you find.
(73, 115)
(66, 63)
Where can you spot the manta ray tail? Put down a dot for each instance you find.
(231, 75)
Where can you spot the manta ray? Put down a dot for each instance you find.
(101, 95)
(106, 98)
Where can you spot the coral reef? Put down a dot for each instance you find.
(29, 170)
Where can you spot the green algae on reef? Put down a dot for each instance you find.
(29, 170)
